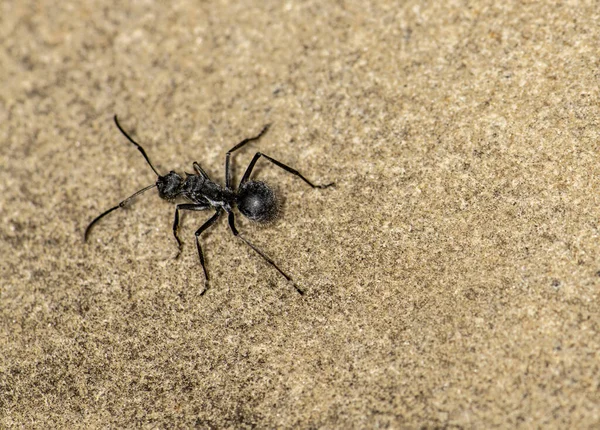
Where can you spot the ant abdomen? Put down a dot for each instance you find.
(256, 201)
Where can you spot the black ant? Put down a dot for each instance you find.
(254, 199)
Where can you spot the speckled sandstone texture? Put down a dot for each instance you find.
(451, 276)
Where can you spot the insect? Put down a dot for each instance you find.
(254, 199)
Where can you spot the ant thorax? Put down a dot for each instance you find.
(201, 190)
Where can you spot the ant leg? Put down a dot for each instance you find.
(204, 226)
(228, 173)
(236, 233)
(187, 207)
(120, 205)
(279, 164)
(199, 170)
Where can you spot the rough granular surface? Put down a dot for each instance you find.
(451, 276)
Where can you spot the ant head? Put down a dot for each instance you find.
(257, 201)
(169, 185)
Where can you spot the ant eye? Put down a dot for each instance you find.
(257, 201)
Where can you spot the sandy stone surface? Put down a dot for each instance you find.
(451, 277)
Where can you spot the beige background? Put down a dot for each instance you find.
(451, 276)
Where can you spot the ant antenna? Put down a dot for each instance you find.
(136, 144)
(120, 205)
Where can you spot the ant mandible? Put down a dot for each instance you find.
(254, 199)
